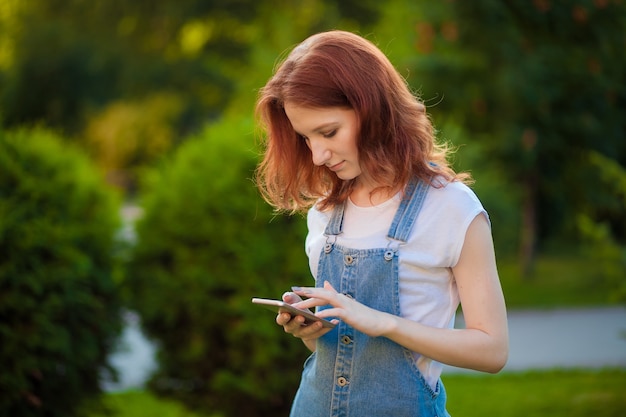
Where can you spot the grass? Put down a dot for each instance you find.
(534, 394)
(528, 394)
(143, 404)
(555, 282)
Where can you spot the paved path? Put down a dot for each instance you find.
(135, 359)
(564, 338)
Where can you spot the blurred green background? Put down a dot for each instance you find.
(111, 106)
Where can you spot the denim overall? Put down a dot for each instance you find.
(351, 374)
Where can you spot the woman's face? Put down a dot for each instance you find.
(330, 133)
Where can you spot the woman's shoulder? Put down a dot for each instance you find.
(451, 196)
(316, 218)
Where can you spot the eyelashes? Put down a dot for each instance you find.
(330, 134)
(326, 135)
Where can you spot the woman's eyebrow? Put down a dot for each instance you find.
(322, 127)
(325, 126)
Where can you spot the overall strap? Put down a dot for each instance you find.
(414, 196)
(411, 204)
(335, 224)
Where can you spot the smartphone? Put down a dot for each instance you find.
(282, 307)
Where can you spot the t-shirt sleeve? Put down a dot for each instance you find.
(316, 224)
(443, 222)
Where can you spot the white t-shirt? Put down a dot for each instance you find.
(428, 292)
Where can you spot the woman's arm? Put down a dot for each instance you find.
(482, 345)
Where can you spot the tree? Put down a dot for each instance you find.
(543, 84)
(79, 55)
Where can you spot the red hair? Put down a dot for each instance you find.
(396, 140)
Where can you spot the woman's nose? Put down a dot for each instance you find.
(320, 152)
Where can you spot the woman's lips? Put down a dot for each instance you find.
(336, 167)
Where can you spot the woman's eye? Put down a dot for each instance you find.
(330, 134)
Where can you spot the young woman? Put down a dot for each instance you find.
(396, 239)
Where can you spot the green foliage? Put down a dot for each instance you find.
(127, 135)
(206, 245)
(540, 84)
(59, 315)
(80, 55)
(600, 223)
(608, 255)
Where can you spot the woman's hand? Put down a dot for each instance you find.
(295, 325)
(365, 319)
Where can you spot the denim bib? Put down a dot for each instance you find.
(351, 374)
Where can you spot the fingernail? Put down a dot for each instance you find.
(300, 289)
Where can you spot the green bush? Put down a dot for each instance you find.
(59, 312)
(206, 245)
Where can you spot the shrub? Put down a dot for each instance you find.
(206, 245)
(58, 305)
(127, 135)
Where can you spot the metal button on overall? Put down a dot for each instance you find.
(346, 340)
(348, 259)
(342, 382)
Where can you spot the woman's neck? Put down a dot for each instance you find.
(368, 194)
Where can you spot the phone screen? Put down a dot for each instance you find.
(280, 307)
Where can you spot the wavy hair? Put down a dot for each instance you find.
(396, 139)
